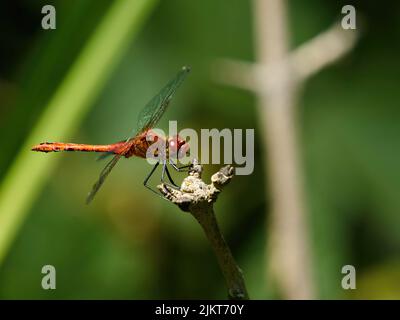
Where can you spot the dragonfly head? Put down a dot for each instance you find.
(177, 147)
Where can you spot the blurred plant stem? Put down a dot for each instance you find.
(276, 78)
(288, 254)
(67, 108)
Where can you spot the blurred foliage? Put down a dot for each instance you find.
(130, 244)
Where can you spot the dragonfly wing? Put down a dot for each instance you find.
(103, 175)
(156, 107)
(148, 118)
(104, 156)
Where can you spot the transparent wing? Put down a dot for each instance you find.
(148, 118)
(103, 175)
(156, 107)
(104, 155)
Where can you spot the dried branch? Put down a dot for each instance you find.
(305, 61)
(197, 197)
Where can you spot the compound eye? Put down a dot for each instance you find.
(184, 150)
(151, 136)
(173, 145)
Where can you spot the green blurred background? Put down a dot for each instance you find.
(129, 244)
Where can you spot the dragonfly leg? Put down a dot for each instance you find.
(181, 169)
(165, 171)
(148, 178)
(170, 178)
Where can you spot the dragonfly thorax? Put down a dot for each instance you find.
(177, 147)
(155, 146)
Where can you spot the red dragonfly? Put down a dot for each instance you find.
(138, 143)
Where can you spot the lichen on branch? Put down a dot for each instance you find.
(198, 198)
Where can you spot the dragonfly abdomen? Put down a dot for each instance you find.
(60, 146)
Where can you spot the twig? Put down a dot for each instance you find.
(321, 51)
(197, 197)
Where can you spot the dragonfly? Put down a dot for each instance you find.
(139, 142)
